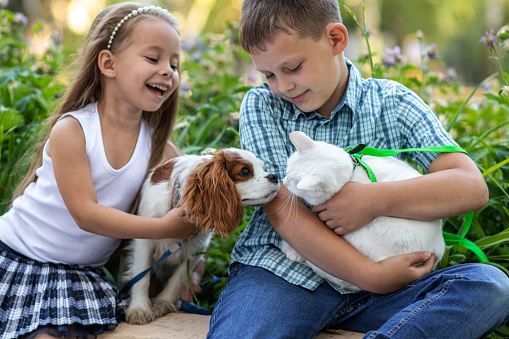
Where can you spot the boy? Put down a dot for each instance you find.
(298, 45)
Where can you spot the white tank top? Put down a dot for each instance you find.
(39, 225)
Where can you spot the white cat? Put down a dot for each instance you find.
(317, 171)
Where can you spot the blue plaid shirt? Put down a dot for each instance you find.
(380, 113)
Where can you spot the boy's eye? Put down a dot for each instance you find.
(174, 67)
(269, 76)
(296, 69)
(151, 59)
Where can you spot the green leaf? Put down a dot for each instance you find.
(497, 239)
(454, 239)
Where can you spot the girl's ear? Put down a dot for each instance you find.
(338, 35)
(106, 63)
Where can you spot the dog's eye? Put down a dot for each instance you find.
(244, 171)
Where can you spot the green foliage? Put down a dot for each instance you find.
(213, 84)
(211, 92)
(28, 90)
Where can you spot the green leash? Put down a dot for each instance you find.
(450, 239)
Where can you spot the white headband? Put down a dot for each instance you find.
(134, 13)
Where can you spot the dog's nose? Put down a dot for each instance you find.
(272, 178)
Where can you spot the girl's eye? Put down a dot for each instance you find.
(154, 60)
(174, 67)
(244, 171)
(269, 76)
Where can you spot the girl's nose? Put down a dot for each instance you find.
(167, 71)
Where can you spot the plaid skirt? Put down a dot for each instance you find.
(34, 294)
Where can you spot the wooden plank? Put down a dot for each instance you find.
(185, 325)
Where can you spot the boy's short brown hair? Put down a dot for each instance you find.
(260, 20)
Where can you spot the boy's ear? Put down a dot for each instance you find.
(339, 36)
(106, 63)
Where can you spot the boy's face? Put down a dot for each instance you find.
(310, 74)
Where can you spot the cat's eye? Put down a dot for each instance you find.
(244, 171)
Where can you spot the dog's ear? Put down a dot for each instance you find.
(211, 197)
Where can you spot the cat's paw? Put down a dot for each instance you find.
(291, 253)
(161, 307)
(295, 256)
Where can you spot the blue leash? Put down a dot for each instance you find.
(183, 305)
(139, 276)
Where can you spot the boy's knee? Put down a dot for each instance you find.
(495, 278)
(500, 281)
(492, 285)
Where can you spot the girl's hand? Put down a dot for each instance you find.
(177, 225)
(396, 272)
(349, 209)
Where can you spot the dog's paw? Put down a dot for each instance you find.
(139, 316)
(161, 307)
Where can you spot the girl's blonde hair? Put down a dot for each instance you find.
(87, 87)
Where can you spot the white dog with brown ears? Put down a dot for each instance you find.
(213, 190)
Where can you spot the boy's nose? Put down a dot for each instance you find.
(285, 85)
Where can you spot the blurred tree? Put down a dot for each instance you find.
(455, 26)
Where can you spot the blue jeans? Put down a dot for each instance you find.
(464, 301)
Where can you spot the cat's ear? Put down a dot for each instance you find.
(310, 183)
(301, 141)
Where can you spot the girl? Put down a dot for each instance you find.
(71, 210)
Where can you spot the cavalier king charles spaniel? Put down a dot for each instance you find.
(213, 190)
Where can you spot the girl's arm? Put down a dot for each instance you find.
(76, 186)
(453, 186)
(302, 229)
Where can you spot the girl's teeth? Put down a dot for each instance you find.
(164, 89)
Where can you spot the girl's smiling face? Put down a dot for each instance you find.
(310, 74)
(147, 69)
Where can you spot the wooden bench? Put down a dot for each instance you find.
(185, 325)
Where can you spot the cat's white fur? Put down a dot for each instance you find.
(317, 171)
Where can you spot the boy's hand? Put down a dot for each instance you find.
(396, 272)
(349, 209)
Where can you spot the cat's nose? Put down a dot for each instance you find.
(272, 178)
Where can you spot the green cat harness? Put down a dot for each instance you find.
(358, 151)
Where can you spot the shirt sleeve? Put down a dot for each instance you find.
(261, 131)
(419, 127)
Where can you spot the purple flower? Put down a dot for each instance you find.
(432, 52)
(57, 37)
(20, 18)
(392, 56)
(451, 75)
(4, 3)
(489, 39)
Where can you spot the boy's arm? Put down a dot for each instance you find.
(300, 227)
(453, 186)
